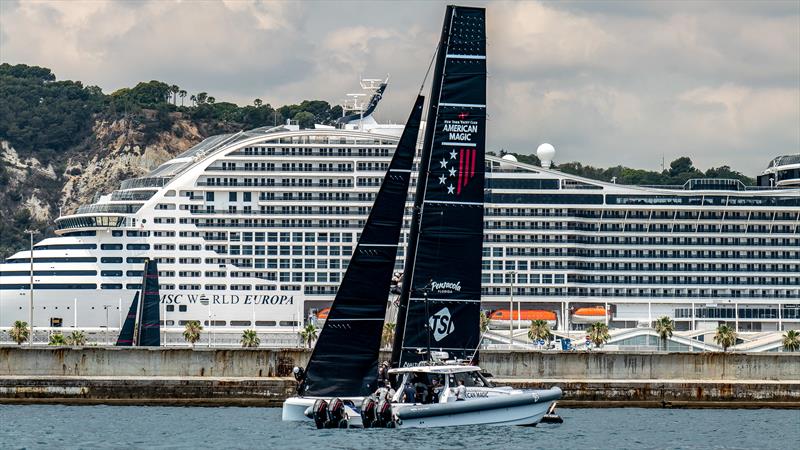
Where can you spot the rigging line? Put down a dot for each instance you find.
(425, 78)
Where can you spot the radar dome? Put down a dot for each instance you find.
(545, 152)
(510, 158)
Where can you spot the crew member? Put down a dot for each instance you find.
(461, 391)
(409, 393)
(434, 391)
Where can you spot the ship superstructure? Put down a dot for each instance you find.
(255, 229)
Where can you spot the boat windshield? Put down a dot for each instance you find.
(471, 379)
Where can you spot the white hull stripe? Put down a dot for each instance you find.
(437, 348)
(467, 56)
(459, 144)
(400, 170)
(378, 245)
(454, 203)
(463, 105)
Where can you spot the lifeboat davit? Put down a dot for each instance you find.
(591, 314)
(500, 318)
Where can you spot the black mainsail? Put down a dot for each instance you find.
(141, 327)
(345, 359)
(125, 338)
(149, 328)
(440, 301)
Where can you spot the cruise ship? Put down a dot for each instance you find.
(255, 230)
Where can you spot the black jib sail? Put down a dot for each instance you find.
(125, 338)
(149, 328)
(440, 302)
(345, 359)
(141, 327)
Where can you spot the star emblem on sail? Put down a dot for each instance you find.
(466, 170)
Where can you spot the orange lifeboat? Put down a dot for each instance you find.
(500, 318)
(323, 313)
(589, 314)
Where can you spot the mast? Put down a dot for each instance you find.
(422, 181)
(344, 361)
(441, 294)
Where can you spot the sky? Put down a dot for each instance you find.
(606, 82)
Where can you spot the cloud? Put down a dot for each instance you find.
(606, 82)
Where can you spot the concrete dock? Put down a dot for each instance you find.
(260, 377)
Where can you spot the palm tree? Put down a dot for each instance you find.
(725, 337)
(182, 94)
(201, 97)
(791, 341)
(76, 338)
(174, 89)
(484, 322)
(211, 100)
(193, 99)
(258, 102)
(388, 334)
(598, 333)
(250, 339)
(539, 330)
(57, 339)
(664, 327)
(192, 331)
(309, 334)
(20, 332)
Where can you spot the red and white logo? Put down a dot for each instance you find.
(459, 169)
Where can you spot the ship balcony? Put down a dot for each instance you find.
(83, 222)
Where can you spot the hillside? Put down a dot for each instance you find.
(63, 143)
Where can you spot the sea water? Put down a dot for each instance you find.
(52, 426)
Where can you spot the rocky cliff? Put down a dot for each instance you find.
(35, 193)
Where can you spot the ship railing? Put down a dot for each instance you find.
(144, 182)
(110, 208)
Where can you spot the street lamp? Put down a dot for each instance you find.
(30, 304)
(513, 275)
(206, 302)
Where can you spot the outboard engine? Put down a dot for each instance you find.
(337, 417)
(368, 412)
(383, 416)
(320, 413)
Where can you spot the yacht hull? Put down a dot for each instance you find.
(525, 408)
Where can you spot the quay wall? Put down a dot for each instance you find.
(204, 362)
(260, 377)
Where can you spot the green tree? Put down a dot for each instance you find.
(258, 102)
(309, 334)
(680, 166)
(193, 99)
(791, 340)
(598, 333)
(211, 100)
(539, 329)
(182, 94)
(174, 89)
(664, 327)
(250, 339)
(484, 322)
(305, 119)
(20, 332)
(201, 97)
(387, 335)
(77, 338)
(191, 332)
(57, 339)
(725, 337)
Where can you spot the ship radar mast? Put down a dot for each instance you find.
(356, 112)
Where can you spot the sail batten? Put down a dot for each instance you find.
(345, 358)
(440, 303)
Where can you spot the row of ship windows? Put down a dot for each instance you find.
(641, 240)
(315, 151)
(788, 312)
